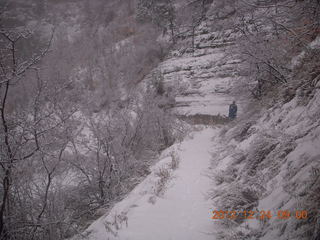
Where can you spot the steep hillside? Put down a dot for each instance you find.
(204, 77)
(77, 130)
(269, 167)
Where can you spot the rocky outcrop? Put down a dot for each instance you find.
(203, 76)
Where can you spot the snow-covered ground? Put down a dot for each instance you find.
(182, 211)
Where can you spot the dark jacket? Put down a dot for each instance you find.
(233, 111)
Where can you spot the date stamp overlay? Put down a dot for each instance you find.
(262, 215)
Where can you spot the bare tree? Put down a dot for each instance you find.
(33, 134)
(161, 12)
(270, 34)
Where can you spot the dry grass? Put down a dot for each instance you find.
(204, 119)
(117, 223)
(174, 161)
(164, 175)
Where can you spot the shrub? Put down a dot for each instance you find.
(164, 175)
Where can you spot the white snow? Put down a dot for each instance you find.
(182, 212)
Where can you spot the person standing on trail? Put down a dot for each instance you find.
(233, 110)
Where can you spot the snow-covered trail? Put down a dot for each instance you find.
(182, 212)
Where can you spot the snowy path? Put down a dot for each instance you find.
(183, 212)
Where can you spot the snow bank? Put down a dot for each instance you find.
(271, 164)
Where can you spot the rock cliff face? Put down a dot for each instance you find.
(203, 76)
